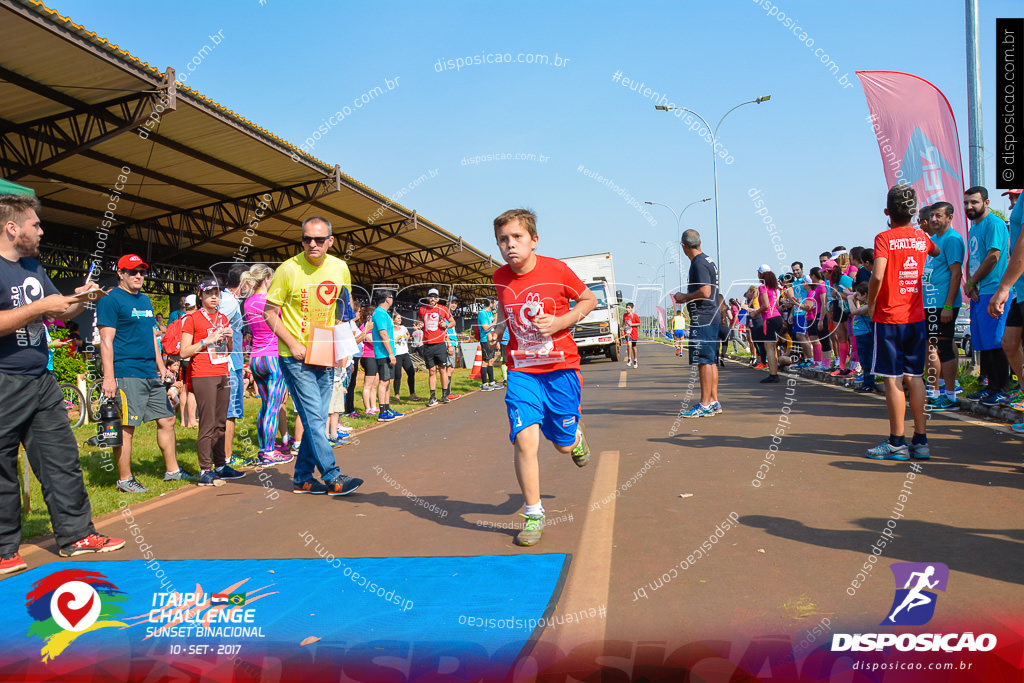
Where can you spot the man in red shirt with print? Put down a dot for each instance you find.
(436, 320)
(631, 321)
(896, 305)
(544, 385)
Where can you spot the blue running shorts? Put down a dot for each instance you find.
(550, 399)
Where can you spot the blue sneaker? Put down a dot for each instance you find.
(944, 404)
(209, 478)
(993, 399)
(698, 410)
(920, 451)
(386, 416)
(886, 451)
(978, 395)
(715, 408)
(1019, 427)
(228, 472)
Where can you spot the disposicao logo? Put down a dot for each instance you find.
(70, 603)
(916, 577)
(914, 605)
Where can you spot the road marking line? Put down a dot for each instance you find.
(622, 379)
(590, 574)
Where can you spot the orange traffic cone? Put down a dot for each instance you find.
(478, 363)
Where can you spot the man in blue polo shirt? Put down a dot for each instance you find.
(941, 281)
(133, 370)
(987, 258)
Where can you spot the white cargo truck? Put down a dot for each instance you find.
(598, 333)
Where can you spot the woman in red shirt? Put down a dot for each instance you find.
(206, 338)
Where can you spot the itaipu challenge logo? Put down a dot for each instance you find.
(70, 603)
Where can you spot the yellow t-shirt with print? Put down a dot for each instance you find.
(308, 295)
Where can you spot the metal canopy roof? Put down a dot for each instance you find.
(183, 181)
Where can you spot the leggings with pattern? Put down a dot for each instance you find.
(270, 383)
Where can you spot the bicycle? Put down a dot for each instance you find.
(75, 404)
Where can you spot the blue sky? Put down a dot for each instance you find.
(288, 66)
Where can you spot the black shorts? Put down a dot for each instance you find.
(486, 352)
(940, 330)
(1015, 318)
(769, 331)
(435, 354)
(838, 314)
(369, 364)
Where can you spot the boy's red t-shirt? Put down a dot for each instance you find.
(633, 320)
(432, 316)
(548, 288)
(900, 298)
(199, 326)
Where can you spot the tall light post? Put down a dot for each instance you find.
(714, 160)
(679, 228)
(664, 261)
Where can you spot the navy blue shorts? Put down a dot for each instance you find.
(549, 399)
(900, 349)
(704, 344)
(799, 324)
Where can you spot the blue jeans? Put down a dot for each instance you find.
(866, 352)
(311, 387)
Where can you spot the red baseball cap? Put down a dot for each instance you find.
(130, 262)
(1008, 192)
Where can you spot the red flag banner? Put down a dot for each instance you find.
(662, 323)
(916, 134)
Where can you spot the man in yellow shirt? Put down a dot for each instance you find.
(311, 290)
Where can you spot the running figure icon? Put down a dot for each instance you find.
(916, 598)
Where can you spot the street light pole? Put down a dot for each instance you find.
(679, 227)
(664, 261)
(714, 161)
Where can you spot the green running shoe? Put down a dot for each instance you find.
(531, 533)
(581, 453)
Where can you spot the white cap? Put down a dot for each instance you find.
(765, 268)
(432, 291)
(190, 300)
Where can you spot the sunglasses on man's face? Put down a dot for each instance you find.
(137, 271)
(309, 239)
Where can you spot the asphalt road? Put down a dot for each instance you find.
(657, 488)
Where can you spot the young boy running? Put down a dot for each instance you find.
(896, 306)
(631, 321)
(544, 385)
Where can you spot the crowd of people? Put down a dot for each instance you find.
(827, 318)
(886, 311)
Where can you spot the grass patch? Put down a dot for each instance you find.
(100, 472)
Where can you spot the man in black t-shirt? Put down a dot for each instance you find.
(32, 411)
(701, 301)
